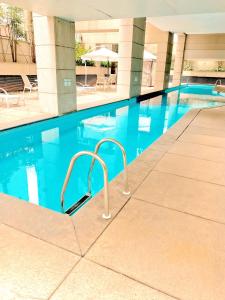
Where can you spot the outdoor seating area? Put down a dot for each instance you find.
(9, 99)
(18, 98)
(19, 112)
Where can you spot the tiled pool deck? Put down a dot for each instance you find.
(166, 241)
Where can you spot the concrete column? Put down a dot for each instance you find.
(131, 48)
(55, 42)
(164, 57)
(179, 59)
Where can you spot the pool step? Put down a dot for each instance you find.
(78, 204)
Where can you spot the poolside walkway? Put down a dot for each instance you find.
(19, 114)
(166, 241)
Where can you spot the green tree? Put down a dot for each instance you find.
(12, 18)
(1, 13)
(79, 51)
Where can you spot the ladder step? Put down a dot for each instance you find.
(78, 204)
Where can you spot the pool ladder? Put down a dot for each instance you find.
(88, 195)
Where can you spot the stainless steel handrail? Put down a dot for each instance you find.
(106, 214)
(110, 140)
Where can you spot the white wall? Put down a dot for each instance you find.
(205, 46)
(17, 69)
(23, 51)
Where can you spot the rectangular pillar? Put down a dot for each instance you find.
(164, 58)
(179, 59)
(131, 49)
(54, 44)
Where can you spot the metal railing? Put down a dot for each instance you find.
(126, 190)
(106, 214)
(88, 195)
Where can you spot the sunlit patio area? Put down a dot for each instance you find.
(20, 112)
(27, 109)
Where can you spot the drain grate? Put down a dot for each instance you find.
(78, 204)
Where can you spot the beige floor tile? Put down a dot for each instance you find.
(150, 156)
(205, 131)
(209, 171)
(7, 294)
(191, 196)
(202, 139)
(40, 222)
(163, 143)
(161, 146)
(183, 123)
(199, 151)
(30, 267)
(88, 220)
(171, 251)
(91, 281)
(210, 118)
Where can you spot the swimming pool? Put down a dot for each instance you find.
(200, 89)
(34, 158)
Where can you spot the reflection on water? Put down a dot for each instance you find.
(34, 159)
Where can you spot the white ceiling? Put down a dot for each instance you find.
(196, 23)
(191, 16)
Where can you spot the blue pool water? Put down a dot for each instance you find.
(34, 159)
(200, 89)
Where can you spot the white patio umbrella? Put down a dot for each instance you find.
(102, 54)
(148, 56)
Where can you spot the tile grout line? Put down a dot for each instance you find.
(129, 277)
(189, 123)
(189, 142)
(65, 277)
(177, 210)
(201, 144)
(195, 157)
(191, 178)
(75, 235)
(128, 199)
(116, 214)
(38, 238)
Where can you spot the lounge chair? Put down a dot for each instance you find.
(102, 81)
(85, 89)
(112, 79)
(7, 98)
(29, 86)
